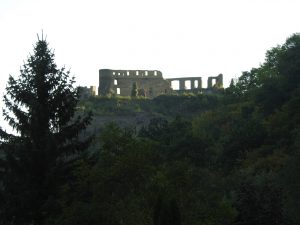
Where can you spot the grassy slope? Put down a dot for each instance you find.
(136, 112)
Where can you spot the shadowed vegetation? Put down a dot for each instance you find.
(230, 158)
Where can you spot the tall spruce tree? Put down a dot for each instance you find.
(41, 108)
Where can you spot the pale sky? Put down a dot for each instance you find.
(178, 37)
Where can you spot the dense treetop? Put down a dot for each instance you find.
(41, 106)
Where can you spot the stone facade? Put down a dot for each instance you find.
(218, 81)
(86, 92)
(195, 83)
(150, 83)
(120, 82)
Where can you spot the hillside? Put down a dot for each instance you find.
(137, 112)
(231, 158)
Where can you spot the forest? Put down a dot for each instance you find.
(230, 158)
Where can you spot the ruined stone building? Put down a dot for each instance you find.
(86, 92)
(120, 82)
(150, 83)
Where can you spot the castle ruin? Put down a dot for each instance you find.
(150, 83)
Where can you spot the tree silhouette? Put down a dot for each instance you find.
(40, 107)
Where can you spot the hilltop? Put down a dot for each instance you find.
(137, 112)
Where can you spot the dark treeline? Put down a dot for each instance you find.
(236, 162)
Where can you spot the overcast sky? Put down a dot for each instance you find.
(178, 37)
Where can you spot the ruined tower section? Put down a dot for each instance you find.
(188, 83)
(150, 83)
(215, 82)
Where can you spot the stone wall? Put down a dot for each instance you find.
(218, 81)
(195, 83)
(150, 83)
(86, 92)
(120, 82)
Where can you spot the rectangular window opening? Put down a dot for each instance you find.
(196, 84)
(187, 84)
(213, 82)
(175, 84)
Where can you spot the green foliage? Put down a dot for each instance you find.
(247, 82)
(112, 189)
(166, 211)
(230, 158)
(40, 106)
(290, 178)
(259, 202)
(205, 159)
(166, 105)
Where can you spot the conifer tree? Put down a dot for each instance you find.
(41, 108)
